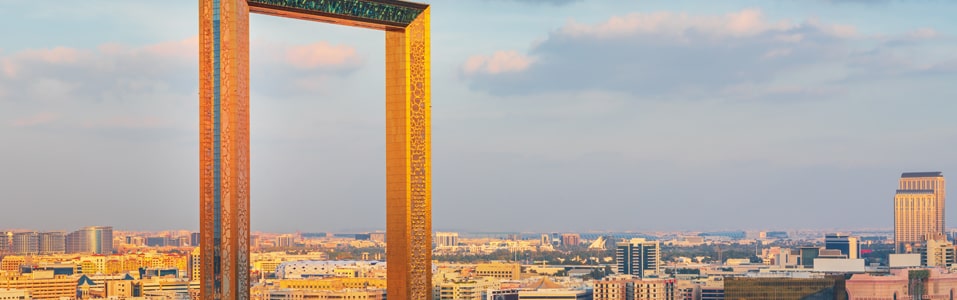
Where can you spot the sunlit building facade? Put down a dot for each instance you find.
(224, 157)
(12, 263)
(42, 285)
(901, 284)
(571, 239)
(506, 271)
(11, 294)
(294, 294)
(53, 242)
(938, 252)
(775, 288)
(638, 257)
(446, 239)
(6, 242)
(26, 243)
(614, 288)
(918, 209)
(848, 245)
(90, 240)
(463, 290)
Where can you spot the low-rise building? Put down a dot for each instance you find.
(772, 288)
(295, 294)
(12, 294)
(506, 271)
(932, 283)
(42, 285)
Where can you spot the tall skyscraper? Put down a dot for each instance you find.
(53, 242)
(849, 245)
(638, 257)
(94, 239)
(918, 209)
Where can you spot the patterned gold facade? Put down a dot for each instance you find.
(224, 136)
(408, 167)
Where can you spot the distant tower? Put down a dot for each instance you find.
(918, 209)
(285, 241)
(446, 239)
(90, 240)
(849, 245)
(638, 257)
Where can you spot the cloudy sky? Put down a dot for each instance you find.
(548, 115)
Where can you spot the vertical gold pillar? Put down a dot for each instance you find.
(408, 161)
(224, 148)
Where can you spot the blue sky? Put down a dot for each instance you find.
(549, 115)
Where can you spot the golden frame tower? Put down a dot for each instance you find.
(224, 136)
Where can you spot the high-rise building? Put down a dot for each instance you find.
(848, 245)
(377, 237)
(446, 239)
(6, 242)
(638, 257)
(571, 239)
(158, 241)
(25, 243)
(194, 239)
(53, 242)
(193, 263)
(918, 209)
(93, 239)
(285, 241)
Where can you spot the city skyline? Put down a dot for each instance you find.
(822, 114)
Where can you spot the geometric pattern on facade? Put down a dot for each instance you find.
(224, 136)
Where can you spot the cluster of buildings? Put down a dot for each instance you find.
(95, 263)
(96, 239)
(84, 264)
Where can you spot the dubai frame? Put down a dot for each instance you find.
(224, 136)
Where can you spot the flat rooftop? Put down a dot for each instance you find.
(921, 174)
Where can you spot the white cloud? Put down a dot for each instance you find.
(498, 62)
(116, 71)
(742, 23)
(35, 120)
(680, 55)
(321, 55)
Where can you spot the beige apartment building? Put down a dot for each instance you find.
(42, 285)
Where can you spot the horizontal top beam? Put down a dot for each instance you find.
(378, 14)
